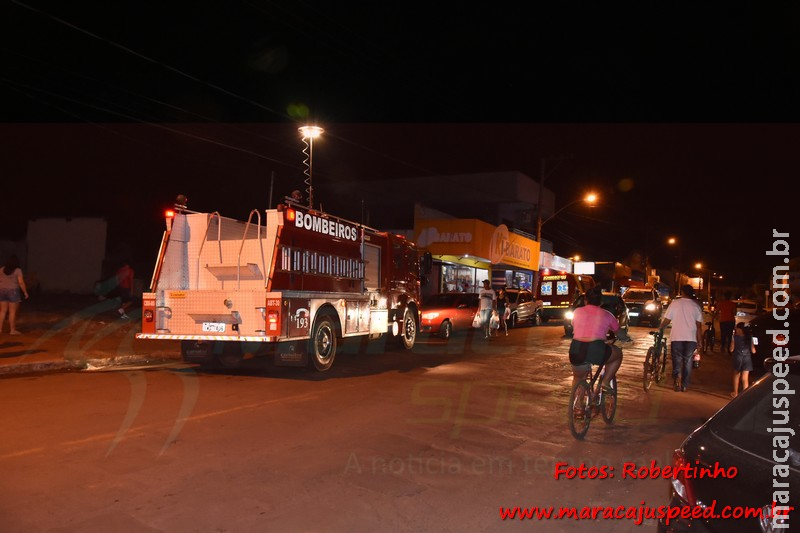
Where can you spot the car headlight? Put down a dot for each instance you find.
(430, 316)
(568, 315)
(650, 307)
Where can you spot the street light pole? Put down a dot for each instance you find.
(672, 241)
(309, 134)
(590, 199)
(539, 199)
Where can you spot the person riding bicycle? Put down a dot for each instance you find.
(591, 325)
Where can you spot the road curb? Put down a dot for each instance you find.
(84, 364)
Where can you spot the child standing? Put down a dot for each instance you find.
(741, 348)
(502, 309)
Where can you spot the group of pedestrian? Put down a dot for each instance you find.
(686, 316)
(13, 290)
(493, 310)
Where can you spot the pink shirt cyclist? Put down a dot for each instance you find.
(593, 323)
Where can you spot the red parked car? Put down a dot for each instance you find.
(448, 312)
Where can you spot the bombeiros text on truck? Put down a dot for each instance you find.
(290, 287)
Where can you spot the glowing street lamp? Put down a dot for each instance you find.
(590, 199)
(673, 241)
(309, 134)
(699, 267)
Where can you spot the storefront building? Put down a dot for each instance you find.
(468, 251)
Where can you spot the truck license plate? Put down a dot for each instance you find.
(214, 327)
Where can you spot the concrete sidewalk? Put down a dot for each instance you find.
(68, 332)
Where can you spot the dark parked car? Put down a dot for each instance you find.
(612, 302)
(644, 306)
(524, 308)
(446, 312)
(738, 446)
(765, 343)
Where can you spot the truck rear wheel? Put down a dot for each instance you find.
(323, 344)
(408, 330)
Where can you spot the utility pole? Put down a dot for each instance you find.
(542, 178)
(539, 208)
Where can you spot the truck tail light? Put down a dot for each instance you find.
(272, 317)
(148, 313)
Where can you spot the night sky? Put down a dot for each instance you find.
(684, 120)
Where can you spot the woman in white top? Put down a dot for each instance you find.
(12, 288)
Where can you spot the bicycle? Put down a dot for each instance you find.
(655, 362)
(587, 398)
(709, 337)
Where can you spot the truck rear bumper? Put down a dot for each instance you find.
(234, 338)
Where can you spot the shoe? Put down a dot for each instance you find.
(506, 334)
(15, 332)
(123, 316)
(683, 388)
(677, 385)
(607, 388)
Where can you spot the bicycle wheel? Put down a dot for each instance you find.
(650, 368)
(708, 341)
(579, 411)
(609, 407)
(661, 367)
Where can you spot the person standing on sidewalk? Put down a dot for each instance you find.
(742, 350)
(502, 309)
(686, 318)
(727, 319)
(125, 289)
(12, 289)
(487, 298)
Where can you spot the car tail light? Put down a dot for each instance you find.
(682, 485)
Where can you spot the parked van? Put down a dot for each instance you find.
(557, 290)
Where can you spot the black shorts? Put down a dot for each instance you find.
(593, 352)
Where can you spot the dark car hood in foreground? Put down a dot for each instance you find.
(737, 437)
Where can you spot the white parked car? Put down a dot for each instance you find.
(746, 310)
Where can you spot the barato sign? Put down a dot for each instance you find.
(334, 228)
(508, 248)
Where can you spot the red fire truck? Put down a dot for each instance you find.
(290, 287)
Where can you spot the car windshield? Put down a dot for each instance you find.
(442, 300)
(637, 296)
(746, 423)
(512, 296)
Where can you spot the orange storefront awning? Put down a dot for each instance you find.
(459, 237)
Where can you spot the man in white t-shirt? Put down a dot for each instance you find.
(487, 299)
(686, 317)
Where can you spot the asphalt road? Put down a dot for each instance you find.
(436, 439)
